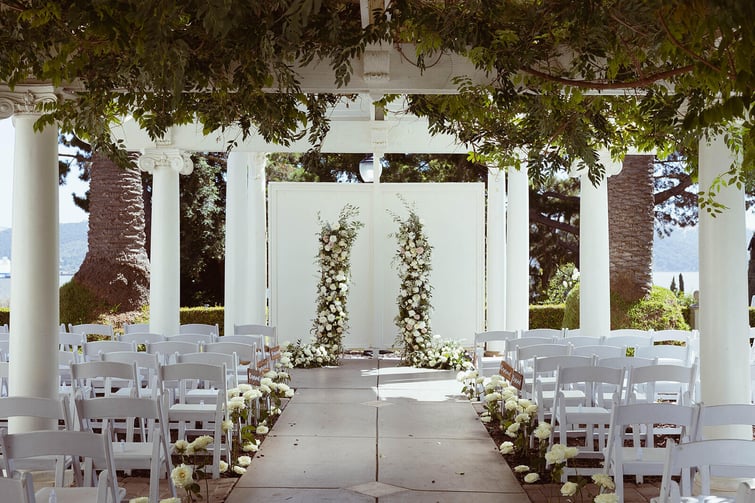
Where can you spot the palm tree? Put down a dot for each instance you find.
(116, 266)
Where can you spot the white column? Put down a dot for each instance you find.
(724, 350)
(496, 250)
(245, 240)
(255, 302)
(165, 164)
(236, 239)
(594, 264)
(35, 255)
(518, 250)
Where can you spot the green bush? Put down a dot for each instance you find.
(660, 310)
(208, 315)
(79, 305)
(4, 316)
(546, 316)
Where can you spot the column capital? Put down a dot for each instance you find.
(166, 158)
(24, 99)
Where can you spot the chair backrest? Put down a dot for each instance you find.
(671, 335)
(215, 375)
(70, 342)
(147, 365)
(584, 340)
(598, 382)
(246, 353)
(4, 329)
(630, 341)
(200, 328)
(129, 328)
(141, 337)
(17, 489)
(93, 351)
(732, 414)
(168, 349)
(230, 361)
(493, 336)
(681, 376)
(85, 377)
(112, 408)
(649, 415)
(665, 353)
(625, 362)
(600, 351)
(628, 331)
(94, 447)
(542, 332)
(730, 458)
(550, 364)
(86, 329)
(270, 333)
(525, 354)
(745, 493)
(27, 406)
(196, 338)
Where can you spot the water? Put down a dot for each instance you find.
(5, 288)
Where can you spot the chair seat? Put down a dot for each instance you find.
(131, 452)
(191, 408)
(73, 494)
(648, 461)
(588, 415)
(573, 397)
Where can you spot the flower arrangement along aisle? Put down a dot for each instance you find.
(332, 319)
(420, 348)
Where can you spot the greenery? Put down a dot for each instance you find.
(561, 283)
(335, 242)
(660, 310)
(4, 316)
(79, 305)
(207, 315)
(546, 316)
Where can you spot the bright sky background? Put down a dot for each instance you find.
(69, 212)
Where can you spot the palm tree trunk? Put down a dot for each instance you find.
(116, 266)
(630, 224)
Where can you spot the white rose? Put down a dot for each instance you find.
(182, 476)
(507, 447)
(569, 489)
(531, 478)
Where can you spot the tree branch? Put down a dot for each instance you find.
(539, 218)
(604, 86)
(685, 181)
(684, 49)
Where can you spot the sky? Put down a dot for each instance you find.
(68, 211)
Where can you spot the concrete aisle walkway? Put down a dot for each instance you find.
(370, 431)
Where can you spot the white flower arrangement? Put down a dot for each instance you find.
(332, 319)
(413, 259)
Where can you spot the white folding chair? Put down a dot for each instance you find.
(667, 382)
(713, 417)
(4, 329)
(93, 351)
(141, 337)
(629, 341)
(600, 351)
(129, 328)
(542, 332)
(147, 365)
(18, 488)
(269, 333)
(666, 336)
(98, 329)
(94, 448)
(730, 458)
(619, 332)
(4, 375)
(666, 354)
(584, 340)
(182, 412)
(206, 393)
(594, 412)
(513, 345)
(544, 377)
(745, 493)
(200, 328)
(488, 365)
(151, 451)
(70, 342)
(194, 338)
(626, 363)
(103, 378)
(167, 350)
(525, 355)
(636, 454)
(246, 354)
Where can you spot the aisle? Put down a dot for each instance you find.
(370, 431)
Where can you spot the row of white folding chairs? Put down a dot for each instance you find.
(150, 450)
(178, 382)
(636, 454)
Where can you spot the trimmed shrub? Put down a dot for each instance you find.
(79, 305)
(546, 316)
(660, 310)
(4, 316)
(208, 315)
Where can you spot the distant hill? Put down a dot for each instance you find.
(677, 252)
(73, 245)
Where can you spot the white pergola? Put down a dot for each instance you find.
(34, 301)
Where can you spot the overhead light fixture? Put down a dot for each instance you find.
(370, 170)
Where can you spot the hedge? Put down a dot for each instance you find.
(4, 316)
(206, 315)
(546, 316)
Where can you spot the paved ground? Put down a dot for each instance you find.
(370, 431)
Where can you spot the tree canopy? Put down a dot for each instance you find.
(565, 78)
